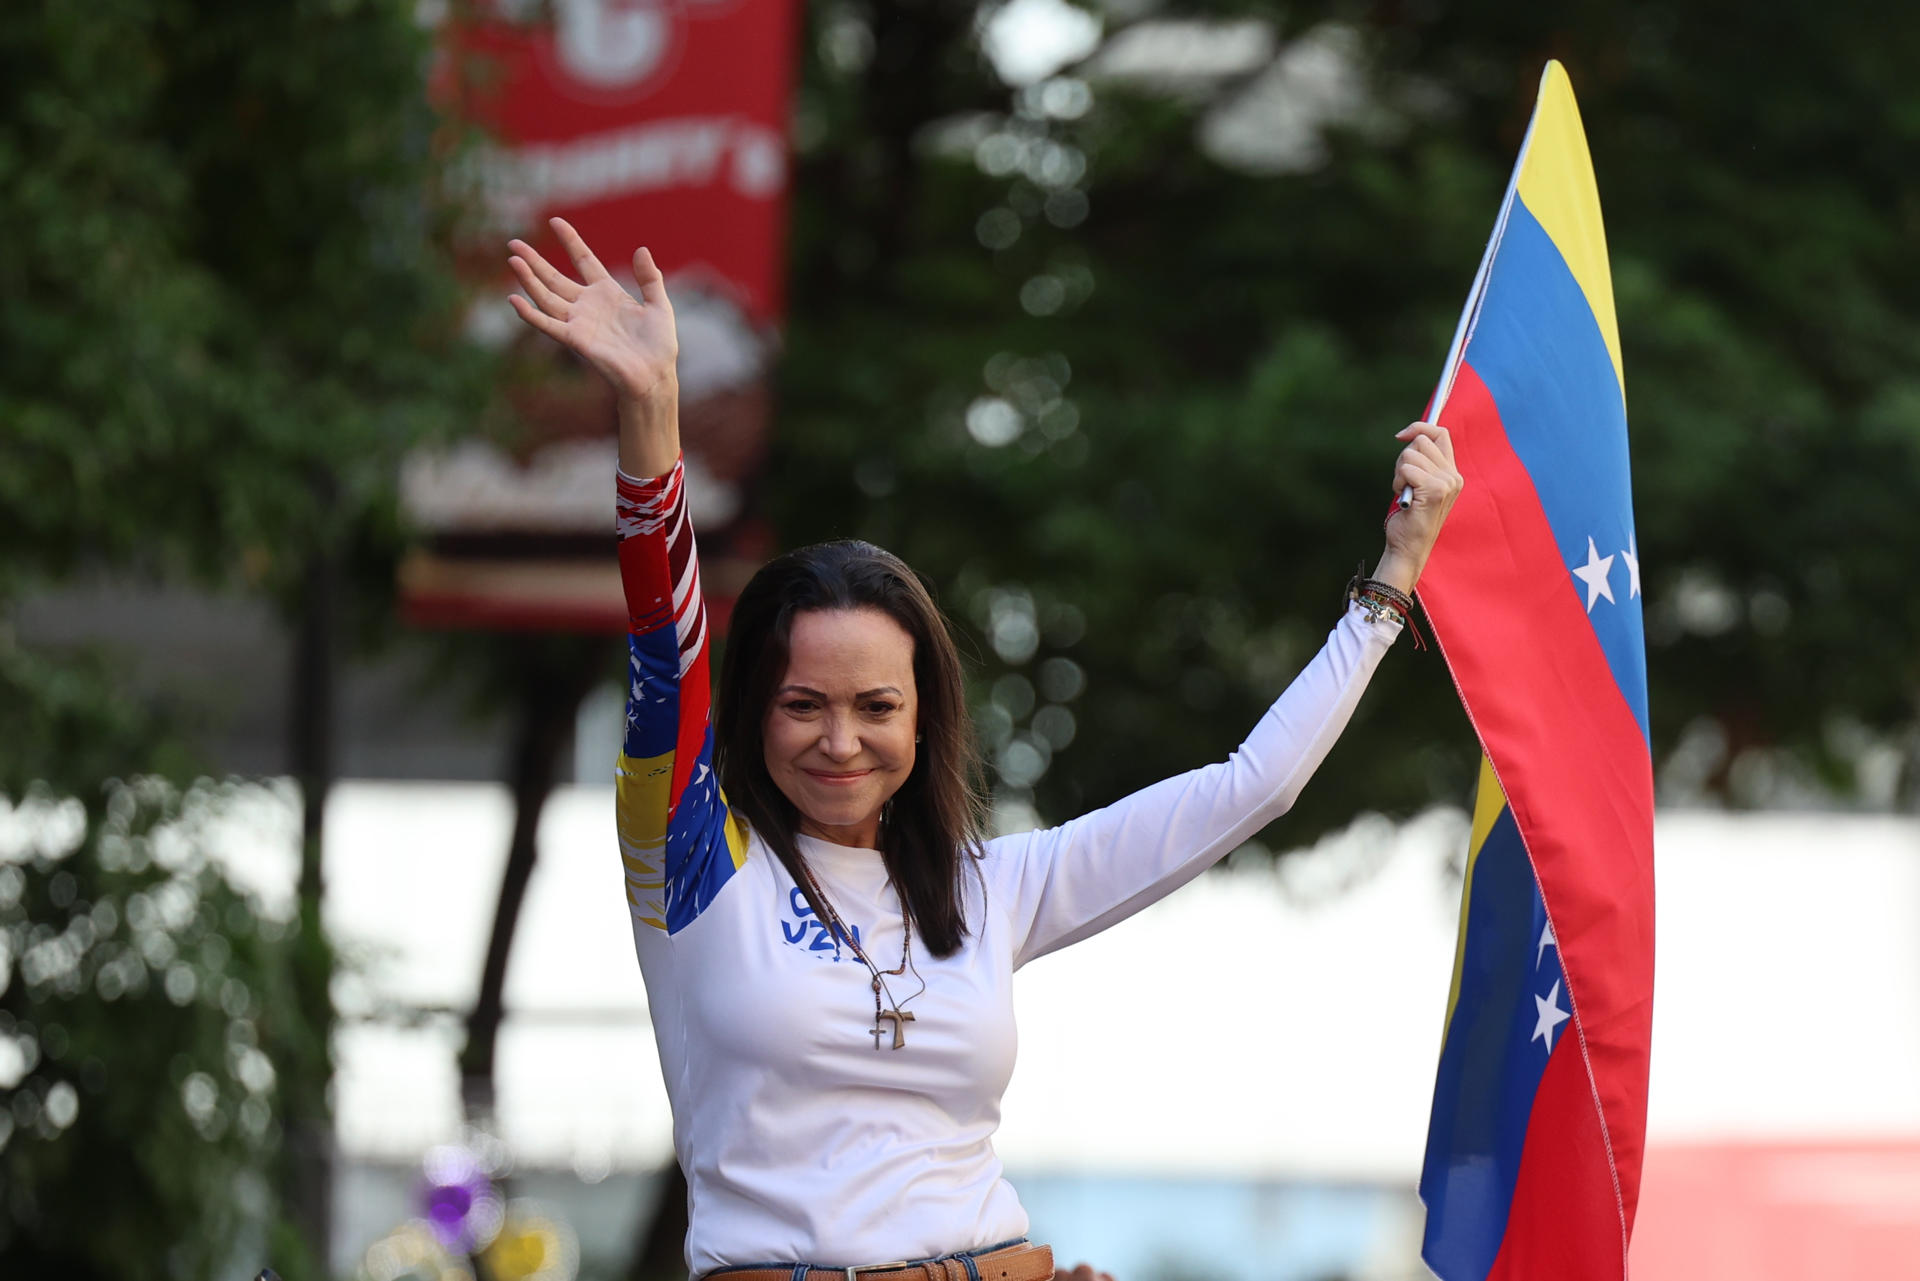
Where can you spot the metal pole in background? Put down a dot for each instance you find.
(306, 1063)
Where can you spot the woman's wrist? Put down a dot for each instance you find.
(650, 429)
(1398, 570)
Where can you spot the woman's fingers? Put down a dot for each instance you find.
(1435, 481)
(1431, 450)
(544, 298)
(653, 284)
(540, 320)
(1413, 453)
(1413, 472)
(1434, 432)
(1084, 1272)
(583, 260)
(550, 276)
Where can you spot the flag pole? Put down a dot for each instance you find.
(1469, 314)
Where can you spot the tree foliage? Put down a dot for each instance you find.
(225, 310)
(142, 993)
(222, 280)
(1121, 380)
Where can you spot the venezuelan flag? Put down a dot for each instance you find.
(1539, 1109)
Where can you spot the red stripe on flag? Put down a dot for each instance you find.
(1562, 1223)
(1567, 750)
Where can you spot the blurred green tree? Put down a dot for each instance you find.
(144, 992)
(1114, 356)
(225, 309)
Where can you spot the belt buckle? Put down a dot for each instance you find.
(853, 1274)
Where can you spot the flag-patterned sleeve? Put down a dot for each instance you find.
(678, 841)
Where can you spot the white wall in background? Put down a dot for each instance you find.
(1257, 1023)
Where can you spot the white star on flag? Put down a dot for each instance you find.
(1632, 557)
(1594, 575)
(1546, 940)
(1551, 1016)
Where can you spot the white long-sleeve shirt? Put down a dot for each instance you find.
(804, 1135)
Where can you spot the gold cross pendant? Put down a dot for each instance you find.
(900, 1020)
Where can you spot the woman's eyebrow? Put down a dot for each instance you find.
(801, 689)
(810, 692)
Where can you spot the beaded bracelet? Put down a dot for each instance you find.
(1381, 600)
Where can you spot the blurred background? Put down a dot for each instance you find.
(1102, 315)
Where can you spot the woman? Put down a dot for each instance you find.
(827, 943)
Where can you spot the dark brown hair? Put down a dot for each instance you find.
(933, 823)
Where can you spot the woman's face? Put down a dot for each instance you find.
(840, 731)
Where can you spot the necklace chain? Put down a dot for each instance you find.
(839, 931)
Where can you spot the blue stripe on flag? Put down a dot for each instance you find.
(1538, 349)
(1491, 1061)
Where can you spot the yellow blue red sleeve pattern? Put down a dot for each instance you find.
(678, 841)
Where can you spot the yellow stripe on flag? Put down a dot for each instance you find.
(1488, 804)
(1556, 184)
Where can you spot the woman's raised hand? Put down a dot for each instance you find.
(629, 341)
(1426, 467)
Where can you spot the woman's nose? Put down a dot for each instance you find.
(838, 741)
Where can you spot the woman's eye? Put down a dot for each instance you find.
(799, 706)
(880, 709)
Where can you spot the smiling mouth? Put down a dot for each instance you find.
(839, 780)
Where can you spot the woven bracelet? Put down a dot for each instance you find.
(1380, 599)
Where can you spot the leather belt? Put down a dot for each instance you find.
(1021, 1262)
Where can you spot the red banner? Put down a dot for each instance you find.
(655, 122)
